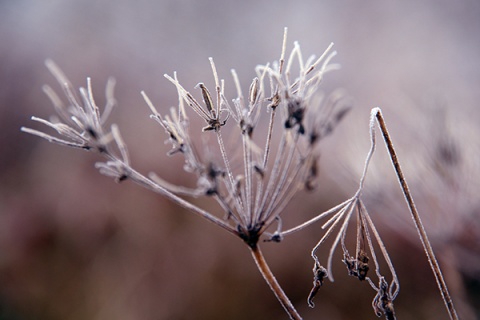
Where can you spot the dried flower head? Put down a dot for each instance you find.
(253, 190)
(80, 122)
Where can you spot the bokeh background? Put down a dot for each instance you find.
(76, 245)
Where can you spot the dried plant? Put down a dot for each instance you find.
(251, 190)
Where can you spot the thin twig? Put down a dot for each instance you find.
(316, 218)
(150, 184)
(416, 218)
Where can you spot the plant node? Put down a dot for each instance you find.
(251, 235)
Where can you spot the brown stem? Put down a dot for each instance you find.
(418, 222)
(273, 283)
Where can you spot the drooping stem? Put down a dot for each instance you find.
(416, 218)
(273, 283)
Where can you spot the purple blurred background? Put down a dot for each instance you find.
(76, 245)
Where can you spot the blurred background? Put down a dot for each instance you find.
(76, 245)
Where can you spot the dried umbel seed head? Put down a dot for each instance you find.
(268, 178)
(251, 185)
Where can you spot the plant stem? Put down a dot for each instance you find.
(273, 283)
(416, 219)
(143, 181)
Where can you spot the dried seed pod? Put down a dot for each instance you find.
(362, 265)
(357, 267)
(253, 91)
(319, 274)
(274, 101)
(383, 303)
(207, 98)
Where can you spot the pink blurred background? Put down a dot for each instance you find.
(76, 245)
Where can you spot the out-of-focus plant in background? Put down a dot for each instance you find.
(74, 245)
